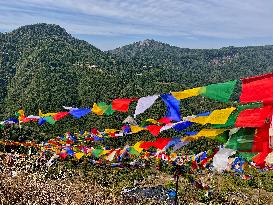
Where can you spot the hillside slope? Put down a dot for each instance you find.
(42, 66)
(195, 67)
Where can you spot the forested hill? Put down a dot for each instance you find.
(195, 67)
(42, 66)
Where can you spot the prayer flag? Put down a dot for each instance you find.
(232, 118)
(220, 159)
(164, 120)
(79, 155)
(153, 121)
(216, 117)
(60, 115)
(41, 121)
(261, 139)
(130, 121)
(137, 147)
(253, 117)
(144, 103)
(49, 120)
(219, 91)
(182, 125)
(97, 152)
(110, 131)
(258, 88)
(260, 158)
(160, 143)
(210, 133)
(187, 93)
(133, 151)
(80, 112)
(241, 139)
(107, 109)
(97, 110)
(154, 129)
(46, 115)
(122, 104)
(173, 109)
(136, 129)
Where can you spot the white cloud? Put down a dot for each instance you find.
(212, 18)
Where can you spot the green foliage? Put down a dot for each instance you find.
(44, 67)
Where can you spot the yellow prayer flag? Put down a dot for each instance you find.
(109, 131)
(216, 117)
(220, 116)
(21, 112)
(189, 138)
(104, 152)
(97, 110)
(47, 114)
(210, 132)
(152, 121)
(79, 155)
(136, 129)
(187, 93)
(137, 146)
(200, 120)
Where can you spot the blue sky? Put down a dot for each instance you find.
(108, 24)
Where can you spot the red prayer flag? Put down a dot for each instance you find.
(146, 145)
(160, 143)
(257, 88)
(26, 119)
(194, 165)
(259, 159)
(122, 104)
(261, 139)
(63, 155)
(253, 117)
(164, 120)
(60, 115)
(154, 129)
(94, 131)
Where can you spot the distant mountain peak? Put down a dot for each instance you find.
(149, 42)
(42, 29)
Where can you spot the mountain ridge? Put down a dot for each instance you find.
(43, 66)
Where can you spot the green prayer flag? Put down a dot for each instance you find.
(247, 155)
(219, 91)
(107, 109)
(103, 106)
(242, 140)
(97, 152)
(223, 138)
(133, 151)
(50, 120)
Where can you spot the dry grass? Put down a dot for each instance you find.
(89, 185)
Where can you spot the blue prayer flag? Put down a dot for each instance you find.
(173, 110)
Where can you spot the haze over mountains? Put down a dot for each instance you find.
(42, 66)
